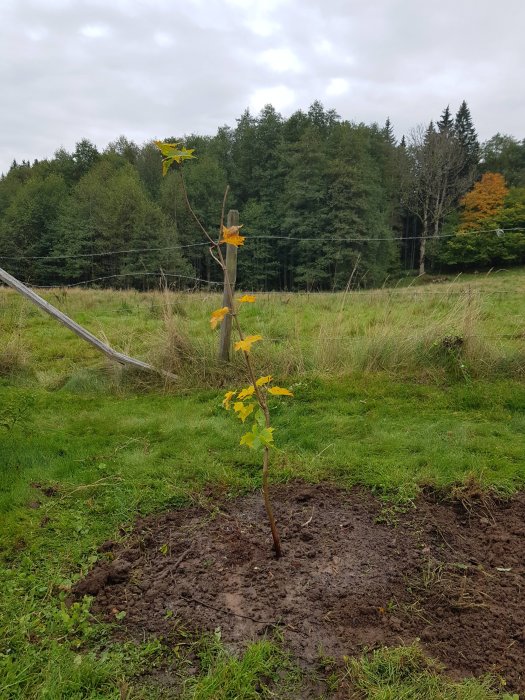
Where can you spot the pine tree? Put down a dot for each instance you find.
(467, 137)
(388, 132)
(446, 123)
(85, 157)
(109, 210)
(243, 146)
(28, 226)
(360, 206)
(262, 213)
(305, 203)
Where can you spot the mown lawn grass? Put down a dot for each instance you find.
(84, 450)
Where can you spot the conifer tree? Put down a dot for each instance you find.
(466, 134)
(446, 123)
(388, 132)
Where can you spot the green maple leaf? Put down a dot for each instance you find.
(257, 438)
(166, 149)
(247, 439)
(266, 436)
(173, 153)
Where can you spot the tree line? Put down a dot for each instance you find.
(322, 199)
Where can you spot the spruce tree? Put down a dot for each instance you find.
(388, 132)
(467, 137)
(446, 123)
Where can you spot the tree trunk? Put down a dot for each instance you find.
(422, 249)
(423, 246)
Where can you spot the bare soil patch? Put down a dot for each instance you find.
(354, 574)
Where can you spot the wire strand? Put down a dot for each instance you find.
(125, 274)
(253, 238)
(391, 238)
(98, 255)
(418, 291)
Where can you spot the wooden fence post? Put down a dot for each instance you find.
(231, 267)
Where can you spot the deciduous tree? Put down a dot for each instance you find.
(434, 176)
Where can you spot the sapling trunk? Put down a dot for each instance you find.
(268, 505)
(264, 407)
(215, 246)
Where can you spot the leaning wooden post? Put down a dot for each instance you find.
(231, 267)
(79, 330)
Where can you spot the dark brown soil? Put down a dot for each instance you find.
(354, 574)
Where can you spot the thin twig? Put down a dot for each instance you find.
(100, 482)
(194, 215)
(309, 519)
(226, 611)
(181, 558)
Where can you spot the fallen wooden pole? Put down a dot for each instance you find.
(75, 327)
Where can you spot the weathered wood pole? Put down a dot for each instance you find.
(225, 340)
(21, 288)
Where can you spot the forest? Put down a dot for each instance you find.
(324, 202)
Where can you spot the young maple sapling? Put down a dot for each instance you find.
(251, 401)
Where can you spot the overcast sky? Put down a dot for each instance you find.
(152, 68)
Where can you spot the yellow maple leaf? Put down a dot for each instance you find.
(279, 391)
(264, 380)
(218, 315)
(243, 410)
(247, 299)
(246, 344)
(244, 393)
(231, 235)
(228, 396)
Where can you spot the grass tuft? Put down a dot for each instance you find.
(263, 671)
(405, 673)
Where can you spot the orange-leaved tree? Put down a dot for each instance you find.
(482, 204)
(251, 401)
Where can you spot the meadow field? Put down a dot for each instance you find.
(401, 391)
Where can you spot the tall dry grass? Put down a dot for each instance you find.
(13, 356)
(462, 330)
(14, 353)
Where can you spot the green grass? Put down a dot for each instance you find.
(385, 405)
(263, 671)
(404, 673)
(402, 330)
(111, 457)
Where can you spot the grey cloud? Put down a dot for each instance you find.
(406, 60)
